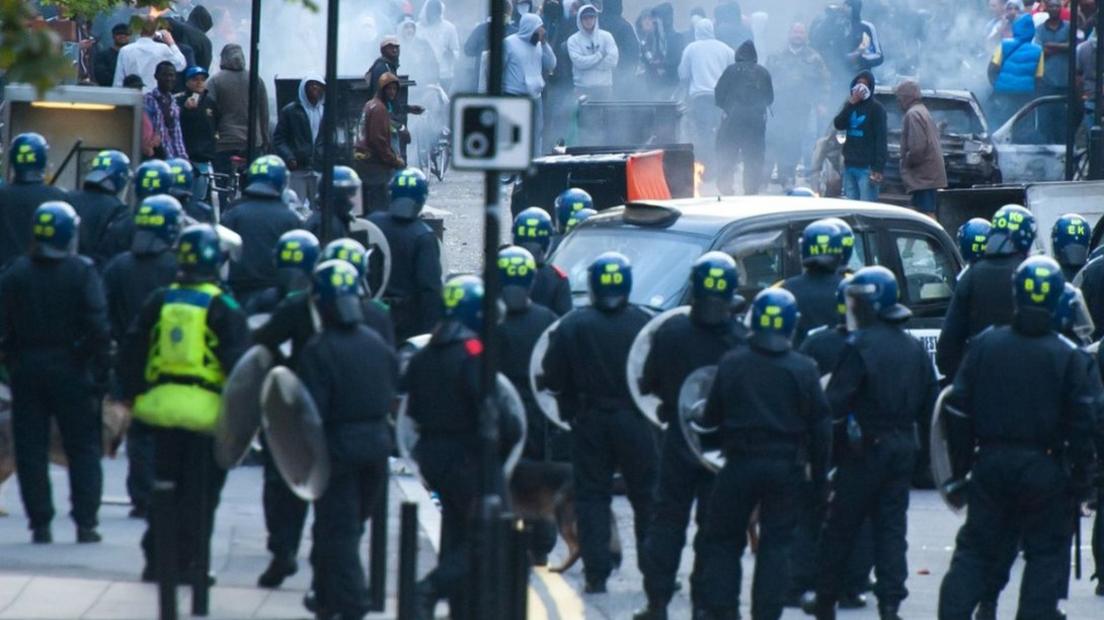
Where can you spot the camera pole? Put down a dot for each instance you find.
(329, 121)
(488, 570)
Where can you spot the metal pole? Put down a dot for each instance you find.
(377, 558)
(1096, 134)
(408, 559)
(254, 81)
(329, 120)
(488, 573)
(1073, 97)
(200, 587)
(164, 543)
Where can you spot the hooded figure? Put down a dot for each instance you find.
(666, 45)
(864, 152)
(528, 59)
(922, 167)
(1018, 63)
(193, 34)
(593, 56)
(703, 62)
(418, 56)
(298, 128)
(378, 149)
(229, 90)
(743, 93)
(628, 46)
(441, 36)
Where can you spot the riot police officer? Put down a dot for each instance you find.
(295, 255)
(183, 189)
(585, 368)
(982, 297)
(354, 413)
(129, 279)
(442, 387)
(533, 231)
(1034, 448)
(972, 237)
(882, 388)
(567, 204)
(771, 412)
(414, 288)
(28, 190)
(578, 217)
(815, 288)
(825, 346)
(260, 217)
(55, 339)
(346, 184)
(519, 331)
(174, 363)
(153, 177)
(1069, 240)
(98, 204)
(681, 345)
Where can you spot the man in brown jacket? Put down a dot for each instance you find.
(378, 147)
(922, 169)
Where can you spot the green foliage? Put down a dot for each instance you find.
(28, 54)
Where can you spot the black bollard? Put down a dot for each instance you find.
(200, 584)
(377, 558)
(164, 532)
(408, 559)
(519, 567)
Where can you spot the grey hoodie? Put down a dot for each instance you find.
(526, 64)
(229, 89)
(593, 54)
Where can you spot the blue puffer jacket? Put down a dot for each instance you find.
(1019, 59)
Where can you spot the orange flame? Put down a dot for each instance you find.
(155, 13)
(699, 174)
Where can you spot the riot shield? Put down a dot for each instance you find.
(407, 349)
(230, 242)
(950, 488)
(240, 413)
(546, 401)
(704, 442)
(376, 240)
(638, 356)
(512, 426)
(294, 433)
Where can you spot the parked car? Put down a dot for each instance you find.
(1032, 144)
(663, 238)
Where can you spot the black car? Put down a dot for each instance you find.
(663, 238)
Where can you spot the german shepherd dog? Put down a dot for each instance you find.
(545, 491)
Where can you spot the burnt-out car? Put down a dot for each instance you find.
(968, 150)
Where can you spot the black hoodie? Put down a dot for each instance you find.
(628, 46)
(745, 90)
(865, 123)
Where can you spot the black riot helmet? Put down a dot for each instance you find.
(713, 282)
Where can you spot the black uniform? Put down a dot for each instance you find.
(825, 345)
(1092, 287)
(552, 289)
(585, 367)
(679, 347)
(260, 222)
(129, 279)
(358, 438)
(518, 334)
(773, 420)
(886, 381)
(414, 289)
(1098, 519)
(97, 210)
(1031, 400)
(55, 340)
(981, 298)
(442, 384)
(184, 457)
(285, 512)
(815, 291)
(18, 202)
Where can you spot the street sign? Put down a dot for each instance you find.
(492, 133)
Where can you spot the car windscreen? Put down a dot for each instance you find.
(951, 115)
(660, 260)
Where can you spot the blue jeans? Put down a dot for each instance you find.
(858, 186)
(924, 201)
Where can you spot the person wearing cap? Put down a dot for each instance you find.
(198, 123)
(594, 56)
(103, 63)
(388, 62)
(379, 146)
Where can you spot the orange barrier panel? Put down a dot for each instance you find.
(644, 177)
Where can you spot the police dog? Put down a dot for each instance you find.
(545, 491)
(116, 420)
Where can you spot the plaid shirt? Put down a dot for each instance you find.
(172, 139)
